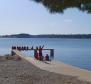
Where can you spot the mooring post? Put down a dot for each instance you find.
(52, 52)
(12, 53)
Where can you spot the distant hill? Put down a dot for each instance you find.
(23, 35)
(16, 36)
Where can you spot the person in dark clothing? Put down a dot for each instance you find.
(32, 48)
(35, 52)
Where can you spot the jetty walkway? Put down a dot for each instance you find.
(57, 67)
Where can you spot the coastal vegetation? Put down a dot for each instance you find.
(23, 35)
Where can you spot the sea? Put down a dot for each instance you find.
(76, 52)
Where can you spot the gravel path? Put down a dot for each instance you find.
(23, 72)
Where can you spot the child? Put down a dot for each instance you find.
(47, 57)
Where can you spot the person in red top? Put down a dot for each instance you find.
(47, 57)
(40, 52)
(37, 56)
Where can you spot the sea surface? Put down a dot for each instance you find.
(76, 52)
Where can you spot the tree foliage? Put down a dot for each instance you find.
(58, 6)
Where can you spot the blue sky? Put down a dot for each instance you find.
(24, 16)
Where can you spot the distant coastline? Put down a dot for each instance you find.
(71, 36)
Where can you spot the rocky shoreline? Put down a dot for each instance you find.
(15, 70)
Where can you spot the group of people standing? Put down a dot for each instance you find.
(38, 54)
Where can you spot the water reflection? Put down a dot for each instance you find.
(58, 6)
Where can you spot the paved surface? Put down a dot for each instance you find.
(59, 67)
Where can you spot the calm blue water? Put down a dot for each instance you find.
(71, 51)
